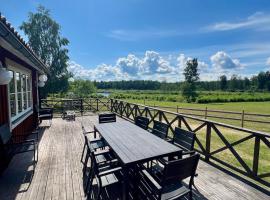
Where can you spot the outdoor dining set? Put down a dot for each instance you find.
(125, 160)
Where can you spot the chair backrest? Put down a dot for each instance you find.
(184, 138)
(106, 117)
(142, 122)
(5, 134)
(180, 169)
(160, 129)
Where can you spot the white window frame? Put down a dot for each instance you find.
(20, 116)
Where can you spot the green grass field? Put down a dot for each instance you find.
(248, 107)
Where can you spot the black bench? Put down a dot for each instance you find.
(106, 118)
(16, 144)
(45, 114)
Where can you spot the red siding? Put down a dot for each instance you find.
(3, 105)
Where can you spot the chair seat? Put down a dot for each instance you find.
(108, 179)
(96, 144)
(174, 191)
(45, 116)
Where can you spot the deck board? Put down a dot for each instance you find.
(58, 173)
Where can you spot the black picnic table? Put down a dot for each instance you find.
(133, 145)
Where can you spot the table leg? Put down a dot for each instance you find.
(125, 183)
(95, 132)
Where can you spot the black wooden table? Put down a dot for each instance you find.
(133, 145)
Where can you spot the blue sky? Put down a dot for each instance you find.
(152, 39)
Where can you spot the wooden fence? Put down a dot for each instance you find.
(242, 116)
(242, 150)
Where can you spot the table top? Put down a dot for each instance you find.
(133, 144)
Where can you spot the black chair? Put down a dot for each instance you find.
(44, 114)
(184, 139)
(105, 169)
(161, 130)
(106, 117)
(168, 184)
(17, 144)
(94, 141)
(142, 122)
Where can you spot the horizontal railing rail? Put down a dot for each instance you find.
(242, 116)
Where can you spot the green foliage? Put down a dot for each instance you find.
(191, 77)
(82, 88)
(45, 39)
(204, 97)
(223, 82)
(191, 71)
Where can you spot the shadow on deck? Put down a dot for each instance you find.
(58, 173)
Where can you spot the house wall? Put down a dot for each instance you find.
(28, 124)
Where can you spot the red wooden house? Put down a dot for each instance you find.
(18, 95)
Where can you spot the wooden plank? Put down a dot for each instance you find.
(59, 156)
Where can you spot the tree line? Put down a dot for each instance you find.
(259, 82)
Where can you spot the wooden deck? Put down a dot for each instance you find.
(58, 174)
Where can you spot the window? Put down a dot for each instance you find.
(20, 92)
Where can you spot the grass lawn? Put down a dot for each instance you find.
(248, 107)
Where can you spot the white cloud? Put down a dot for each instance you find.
(222, 61)
(129, 64)
(182, 60)
(143, 33)
(153, 66)
(268, 61)
(258, 21)
(154, 63)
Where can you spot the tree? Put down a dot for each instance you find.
(261, 80)
(82, 88)
(191, 77)
(223, 82)
(45, 39)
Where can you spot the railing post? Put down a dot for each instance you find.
(256, 155)
(159, 116)
(81, 101)
(111, 105)
(97, 104)
(205, 114)
(243, 118)
(121, 108)
(208, 142)
(179, 122)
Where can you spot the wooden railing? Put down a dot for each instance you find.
(218, 142)
(242, 150)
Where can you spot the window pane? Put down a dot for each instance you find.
(24, 100)
(12, 105)
(18, 79)
(11, 83)
(28, 83)
(19, 96)
(29, 99)
(23, 80)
